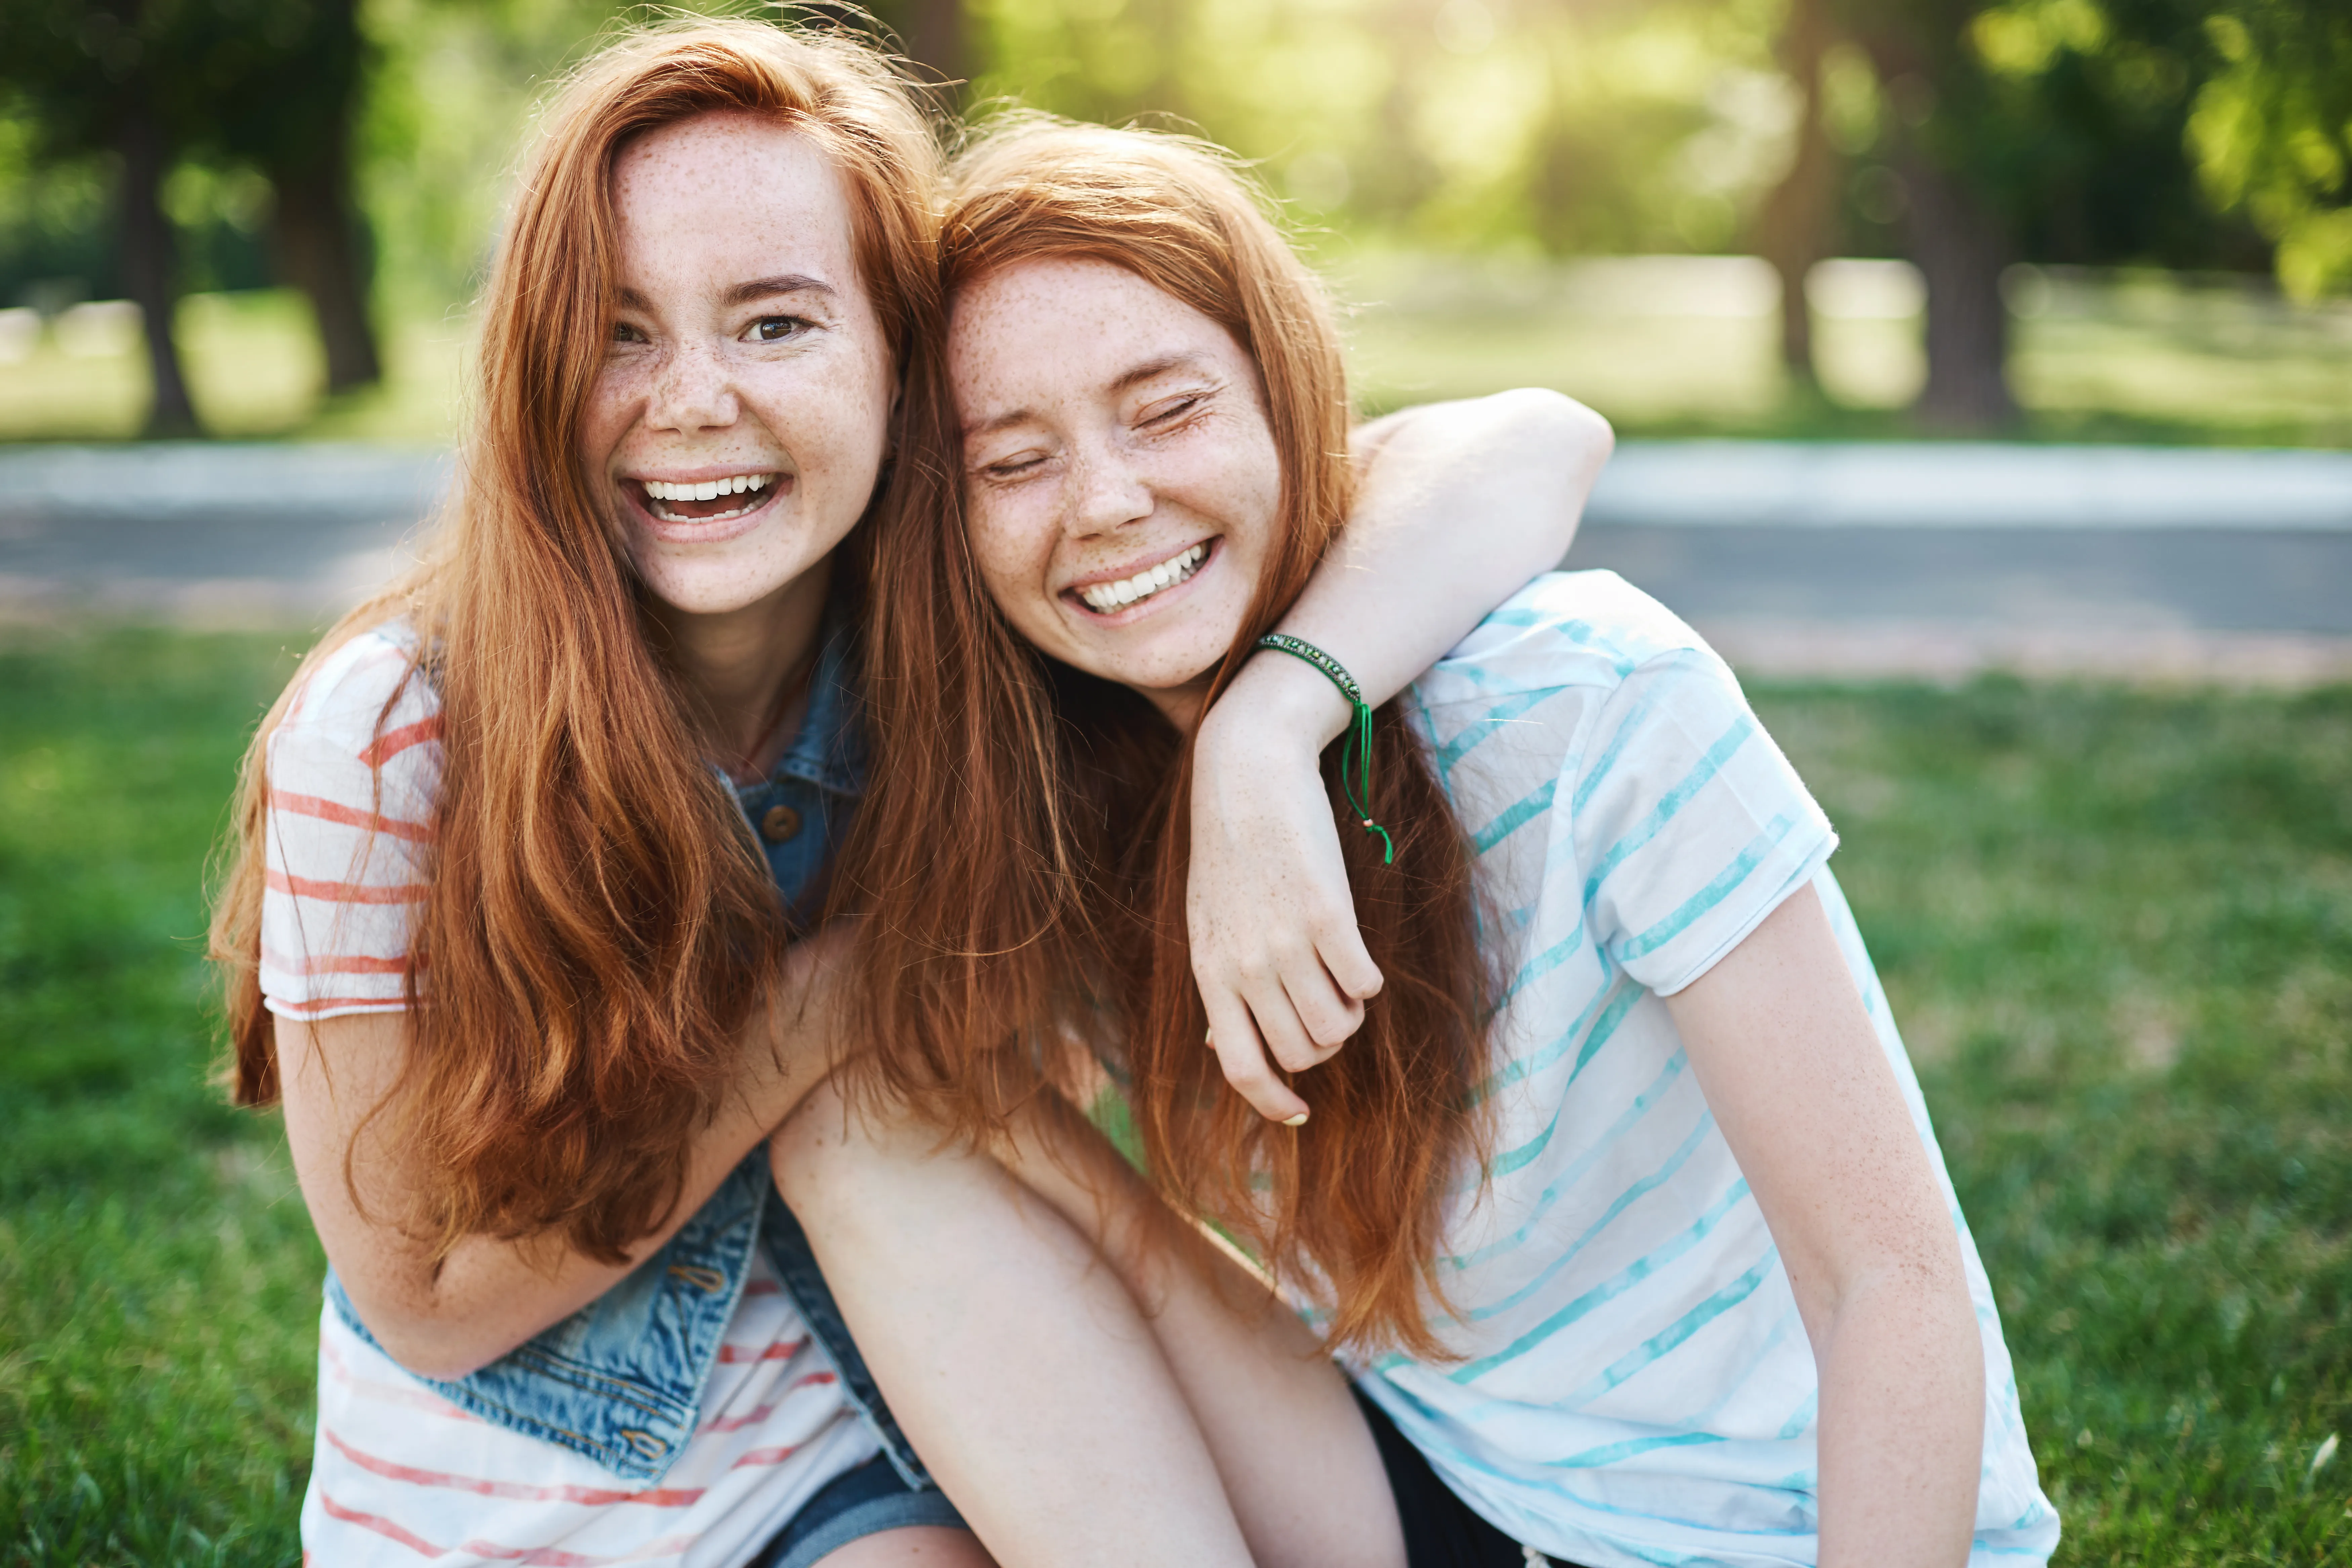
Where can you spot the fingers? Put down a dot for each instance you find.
(1340, 945)
(1242, 1056)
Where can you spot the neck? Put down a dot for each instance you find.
(1180, 705)
(738, 660)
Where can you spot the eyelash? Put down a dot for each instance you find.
(622, 332)
(1001, 473)
(1183, 405)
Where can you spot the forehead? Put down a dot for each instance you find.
(1064, 326)
(733, 189)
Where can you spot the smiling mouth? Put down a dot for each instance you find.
(708, 500)
(1109, 598)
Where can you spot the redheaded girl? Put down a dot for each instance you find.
(525, 848)
(1621, 1206)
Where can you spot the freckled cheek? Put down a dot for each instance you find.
(1013, 562)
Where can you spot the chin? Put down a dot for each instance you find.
(701, 593)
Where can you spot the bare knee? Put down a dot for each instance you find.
(833, 1146)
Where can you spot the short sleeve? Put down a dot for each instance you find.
(1691, 826)
(354, 776)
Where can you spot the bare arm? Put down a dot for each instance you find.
(1459, 506)
(1795, 1074)
(445, 1319)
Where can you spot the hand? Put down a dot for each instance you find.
(805, 1025)
(1282, 968)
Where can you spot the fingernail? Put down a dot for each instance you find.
(1297, 1121)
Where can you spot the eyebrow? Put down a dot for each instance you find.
(767, 288)
(1149, 369)
(746, 293)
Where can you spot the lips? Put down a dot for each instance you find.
(1107, 598)
(716, 499)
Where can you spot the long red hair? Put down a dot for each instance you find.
(1023, 850)
(598, 927)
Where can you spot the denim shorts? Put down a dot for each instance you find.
(865, 1501)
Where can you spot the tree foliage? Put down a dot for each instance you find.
(2272, 131)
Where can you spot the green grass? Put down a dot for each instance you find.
(2117, 930)
(2117, 927)
(158, 1278)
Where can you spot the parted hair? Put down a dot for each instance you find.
(597, 928)
(1023, 855)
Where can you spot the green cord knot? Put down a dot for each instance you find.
(1356, 762)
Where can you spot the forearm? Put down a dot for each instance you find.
(444, 1316)
(1902, 1426)
(489, 1296)
(1460, 505)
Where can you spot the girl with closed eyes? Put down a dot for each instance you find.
(526, 926)
(1619, 1206)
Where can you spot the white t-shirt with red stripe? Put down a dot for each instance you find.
(400, 1474)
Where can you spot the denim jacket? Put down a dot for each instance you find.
(620, 1380)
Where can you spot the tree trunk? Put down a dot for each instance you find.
(149, 272)
(317, 233)
(1959, 251)
(1793, 229)
(935, 38)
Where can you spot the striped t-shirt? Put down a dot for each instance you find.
(1633, 1383)
(399, 1474)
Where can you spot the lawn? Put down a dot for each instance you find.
(2117, 927)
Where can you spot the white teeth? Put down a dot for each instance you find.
(704, 489)
(1104, 597)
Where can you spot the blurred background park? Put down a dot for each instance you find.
(1986, 372)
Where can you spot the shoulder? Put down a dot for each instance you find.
(367, 700)
(1546, 667)
(1566, 630)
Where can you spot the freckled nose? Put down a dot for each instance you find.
(692, 392)
(1106, 493)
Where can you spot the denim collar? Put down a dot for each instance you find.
(829, 752)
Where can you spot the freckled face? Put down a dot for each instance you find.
(739, 419)
(1120, 477)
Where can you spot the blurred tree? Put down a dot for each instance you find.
(2271, 131)
(1793, 226)
(280, 90)
(933, 32)
(2049, 131)
(269, 83)
(96, 77)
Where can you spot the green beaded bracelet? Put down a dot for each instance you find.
(1356, 762)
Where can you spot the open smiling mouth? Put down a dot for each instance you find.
(1109, 598)
(708, 500)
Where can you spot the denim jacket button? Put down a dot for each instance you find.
(779, 823)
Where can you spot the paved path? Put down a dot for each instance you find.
(1797, 559)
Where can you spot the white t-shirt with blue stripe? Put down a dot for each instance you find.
(1634, 1385)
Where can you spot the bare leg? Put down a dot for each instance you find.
(916, 1546)
(1020, 1367)
(1048, 1337)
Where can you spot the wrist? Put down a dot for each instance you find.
(1277, 701)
